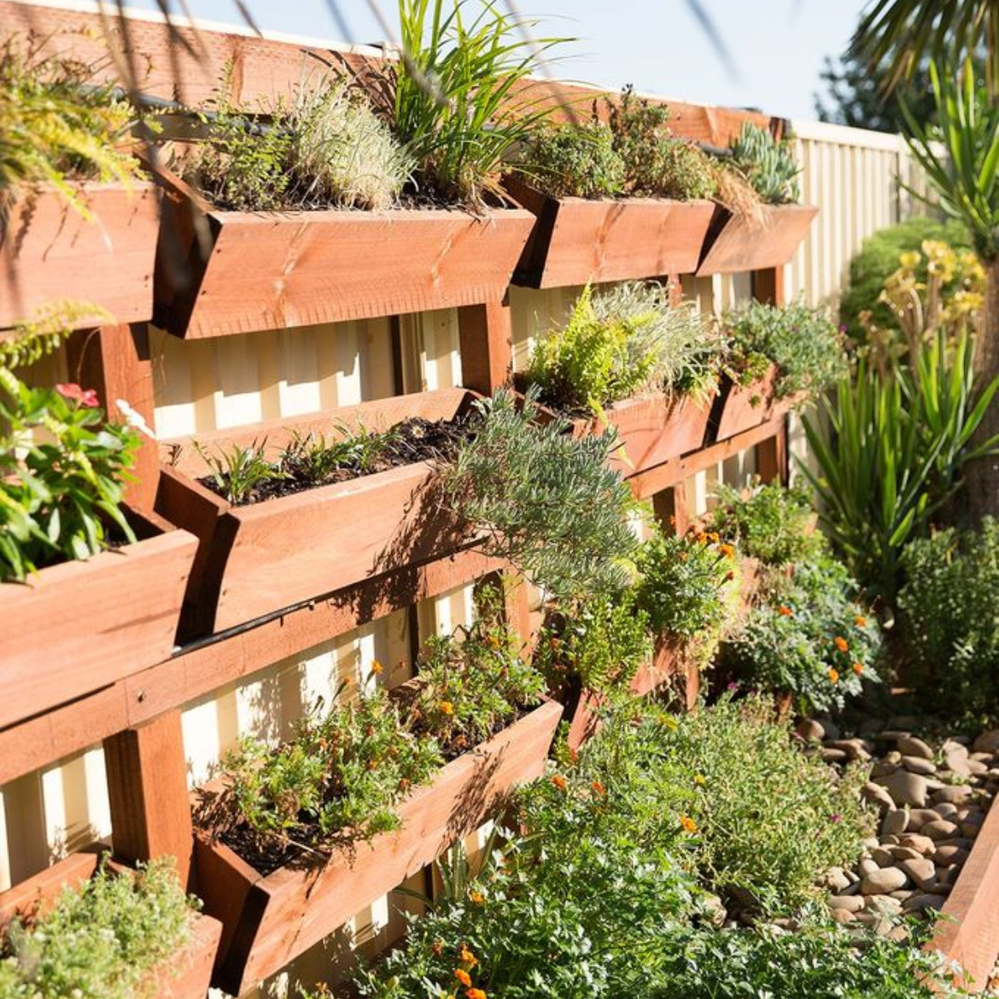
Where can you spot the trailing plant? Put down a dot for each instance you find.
(890, 452)
(46, 331)
(336, 781)
(769, 522)
(459, 98)
(547, 501)
(56, 126)
(809, 637)
(801, 342)
(622, 342)
(687, 586)
(767, 163)
(100, 940)
(656, 163)
(573, 161)
(63, 470)
(950, 622)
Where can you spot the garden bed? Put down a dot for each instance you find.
(50, 253)
(271, 919)
(188, 973)
(261, 558)
(737, 408)
(279, 270)
(102, 619)
(735, 243)
(577, 240)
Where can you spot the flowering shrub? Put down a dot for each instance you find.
(809, 637)
(100, 940)
(63, 469)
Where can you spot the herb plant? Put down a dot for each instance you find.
(100, 940)
(547, 501)
(235, 474)
(768, 164)
(573, 161)
(800, 341)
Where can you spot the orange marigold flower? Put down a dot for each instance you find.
(377, 668)
(785, 611)
(446, 708)
(475, 994)
(477, 897)
(727, 550)
(598, 787)
(840, 643)
(833, 676)
(467, 957)
(701, 537)
(860, 621)
(494, 641)
(559, 781)
(714, 536)
(688, 824)
(463, 976)
(858, 668)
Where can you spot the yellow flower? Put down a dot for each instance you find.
(446, 708)
(377, 668)
(463, 976)
(699, 780)
(833, 676)
(477, 897)
(688, 824)
(727, 550)
(467, 957)
(860, 621)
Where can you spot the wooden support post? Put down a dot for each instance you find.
(768, 285)
(517, 599)
(147, 789)
(115, 361)
(486, 340)
(670, 508)
(675, 282)
(772, 464)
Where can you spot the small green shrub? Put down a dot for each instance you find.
(771, 522)
(768, 164)
(657, 164)
(951, 621)
(801, 341)
(100, 940)
(878, 258)
(547, 501)
(573, 161)
(809, 637)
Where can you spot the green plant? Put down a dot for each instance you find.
(99, 941)
(687, 586)
(56, 127)
(47, 331)
(879, 257)
(573, 161)
(236, 473)
(890, 452)
(768, 164)
(63, 470)
(335, 782)
(546, 500)
(800, 341)
(949, 620)
(460, 98)
(809, 637)
(342, 154)
(770, 522)
(315, 457)
(657, 164)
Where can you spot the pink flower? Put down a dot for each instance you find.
(85, 397)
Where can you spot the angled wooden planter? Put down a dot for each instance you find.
(576, 240)
(734, 244)
(269, 920)
(99, 620)
(50, 253)
(187, 975)
(740, 408)
(245, 271)
(262, 558)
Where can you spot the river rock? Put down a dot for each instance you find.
(918, 817)
(919, 903)
(810, 730)
(905, 788)
(917, 765)
(882, 857)
(905, 853)
(843, 916)
(919, 843)
(828, 754)
(947, 855)
(865, 867)
(911, 745)
(852, 903)
(956, 794)
(882, 881)
(987, 742)
(946, 810)
(877, 795)
(940, 829)
(923, 871)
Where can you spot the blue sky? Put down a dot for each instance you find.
(776, 45)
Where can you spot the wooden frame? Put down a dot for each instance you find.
(578, 240)
(738, 409)
(99, 620)
(734, 244)
(51, 253)
(270, 920)
(263, 558)
(247, 271)
(188, 973)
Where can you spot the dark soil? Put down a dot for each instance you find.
(407, 443)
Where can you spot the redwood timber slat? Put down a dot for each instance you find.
(735, 245)
(486, 342)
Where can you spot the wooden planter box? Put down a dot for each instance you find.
(738, 409)
(270, 920)
(263, 558)
(188, 973)
(82, 625)
(734, 244)
(49, 252)
(651, 430)
(576, 240)
(276, 270)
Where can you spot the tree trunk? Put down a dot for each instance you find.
(982, 478)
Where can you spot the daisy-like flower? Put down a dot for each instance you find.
(833, 676)
(858, 668)
(463, 976)
(785, 611)
(446, 708)
(559, 781)
(688, 824)
(841, 643)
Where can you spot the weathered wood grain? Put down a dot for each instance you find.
(734, 244)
